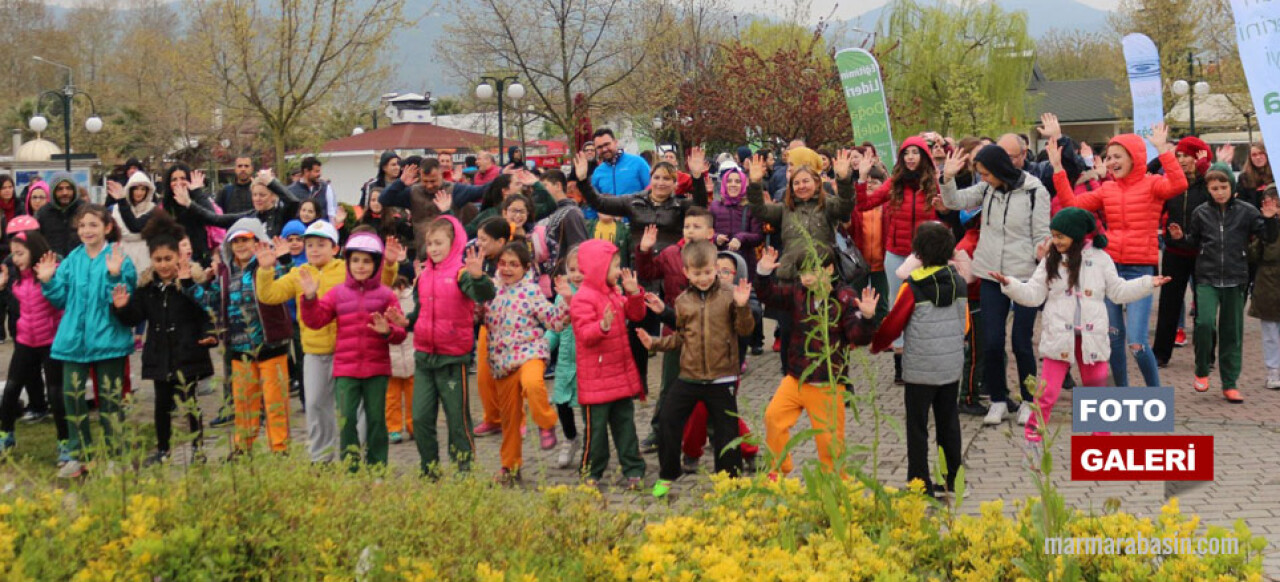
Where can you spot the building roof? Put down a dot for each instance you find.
(1077, 101)
(411, 136)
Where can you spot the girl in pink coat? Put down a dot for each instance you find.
(361, 359)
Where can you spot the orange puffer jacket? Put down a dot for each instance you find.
(1132, 204)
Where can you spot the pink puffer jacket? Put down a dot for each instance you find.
(606, 370)
(38, 319)
(445, 313)
(360, 352)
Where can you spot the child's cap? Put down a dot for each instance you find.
(1077, 223)
(243, 234)
(323, 229)
(22, 224)
(365, 242)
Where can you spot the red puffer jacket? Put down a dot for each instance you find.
(606, 371)
(1132, 205)
(445, 314)
(902, 219)
(360, 352)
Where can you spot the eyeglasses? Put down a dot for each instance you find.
(517, 211)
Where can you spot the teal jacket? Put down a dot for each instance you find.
(82, 289)
(566, 387)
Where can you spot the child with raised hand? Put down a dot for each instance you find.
(1072, 282)
(709, 366)
(81, 286)
(493, 235)
(175, 356)
(1222, 228)
(518, 353)
(608, 381)
(815, 295)
(1266, 297)
(564, 394)
(362, 361)
(451, 283)
(400, 386)
(31, 368)
(931, 315)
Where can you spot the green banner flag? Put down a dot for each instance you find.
(864, 94)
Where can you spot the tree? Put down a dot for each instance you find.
(577, 46)
(281, 59)
(1077, 54)
(944, 46)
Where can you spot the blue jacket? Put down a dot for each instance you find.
(82, 289)
(565, 390)
(627, 174)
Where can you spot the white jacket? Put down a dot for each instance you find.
(1098, 279)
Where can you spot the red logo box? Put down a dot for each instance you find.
(1142, 458)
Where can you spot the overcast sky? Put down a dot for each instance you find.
(845, 9)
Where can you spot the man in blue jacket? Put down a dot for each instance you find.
(619, 172)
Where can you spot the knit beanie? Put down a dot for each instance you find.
(804, 157)
(1077, 223)
(1191, 147)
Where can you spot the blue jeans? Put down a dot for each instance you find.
(1129, 326)
(995, 314)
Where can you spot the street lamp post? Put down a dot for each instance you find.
(1183, 87)
(503, 86)
(39, 123)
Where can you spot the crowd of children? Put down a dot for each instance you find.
(380, 316)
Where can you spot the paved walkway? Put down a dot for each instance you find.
(1247, 446)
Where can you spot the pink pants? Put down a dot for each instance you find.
(1052, 374)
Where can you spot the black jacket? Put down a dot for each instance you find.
(1223, 238)
(669, 215)
(175, 323)
(1179, 210)
(236, 198)
(55, 225)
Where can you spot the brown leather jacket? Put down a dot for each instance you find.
(708, 325)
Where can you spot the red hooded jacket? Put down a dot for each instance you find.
(606, 370)
(901, 220)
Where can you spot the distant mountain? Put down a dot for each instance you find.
(1042, 16)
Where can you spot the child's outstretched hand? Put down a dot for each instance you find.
(1175, 231)
(654, 303)
(393, 315)
(120, 296)
(280, 246)
(563, 288)
(768, 261)
(473, 262)
(115, 260)
(645, 339)
(47, 267)
(606, 322)
(394, 253)
(999, 277)
(1158, 281)
(1269, 207)
(378, 323)
(867, 303)
(308, 283)
(630, 283)
(266, 256)
(742, 292)
(649, 239)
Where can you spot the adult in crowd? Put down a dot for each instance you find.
(515, 158)
(487, 169)
(781, 165)
(421, 190)
(56, 217)
(656, 205)
(310, 186)
(447, 171)
(1132, 202)
(237, 196)
(619, 172)
(1015, 221)
(388, 171)
(1257, 175)
(139, 194)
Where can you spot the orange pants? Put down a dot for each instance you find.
(485, 384)
(252, 384)
(821, 402)
(525, 384)
(400, 405)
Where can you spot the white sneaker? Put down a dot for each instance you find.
(996, 414)
(567, 449)
(1273, 378)
(1024, 414)
(71, 470)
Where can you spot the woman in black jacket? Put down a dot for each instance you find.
(179, 331)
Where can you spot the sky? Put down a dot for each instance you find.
(846, 9)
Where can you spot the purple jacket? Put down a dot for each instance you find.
(732, 218)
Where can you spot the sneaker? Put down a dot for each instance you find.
(395, 438)
(1233, 396)
(1180, 340)
(73, 469)
(34, 416)
(777, 344)
(64, 453)
(1273, 379)
(567, 449)
(689, 465)
(649, 445)
(1032, 453)
(1202, 384)
(1024, 414)
(486, 429)
(635, 483)
(547, 438)
(758, 350)
(222, 420)
(996, 414)
(974, 409)
(661, 488)
(6, 442)
(156, 458)
(507, 478)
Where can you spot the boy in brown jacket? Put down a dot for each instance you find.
(708, 317)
